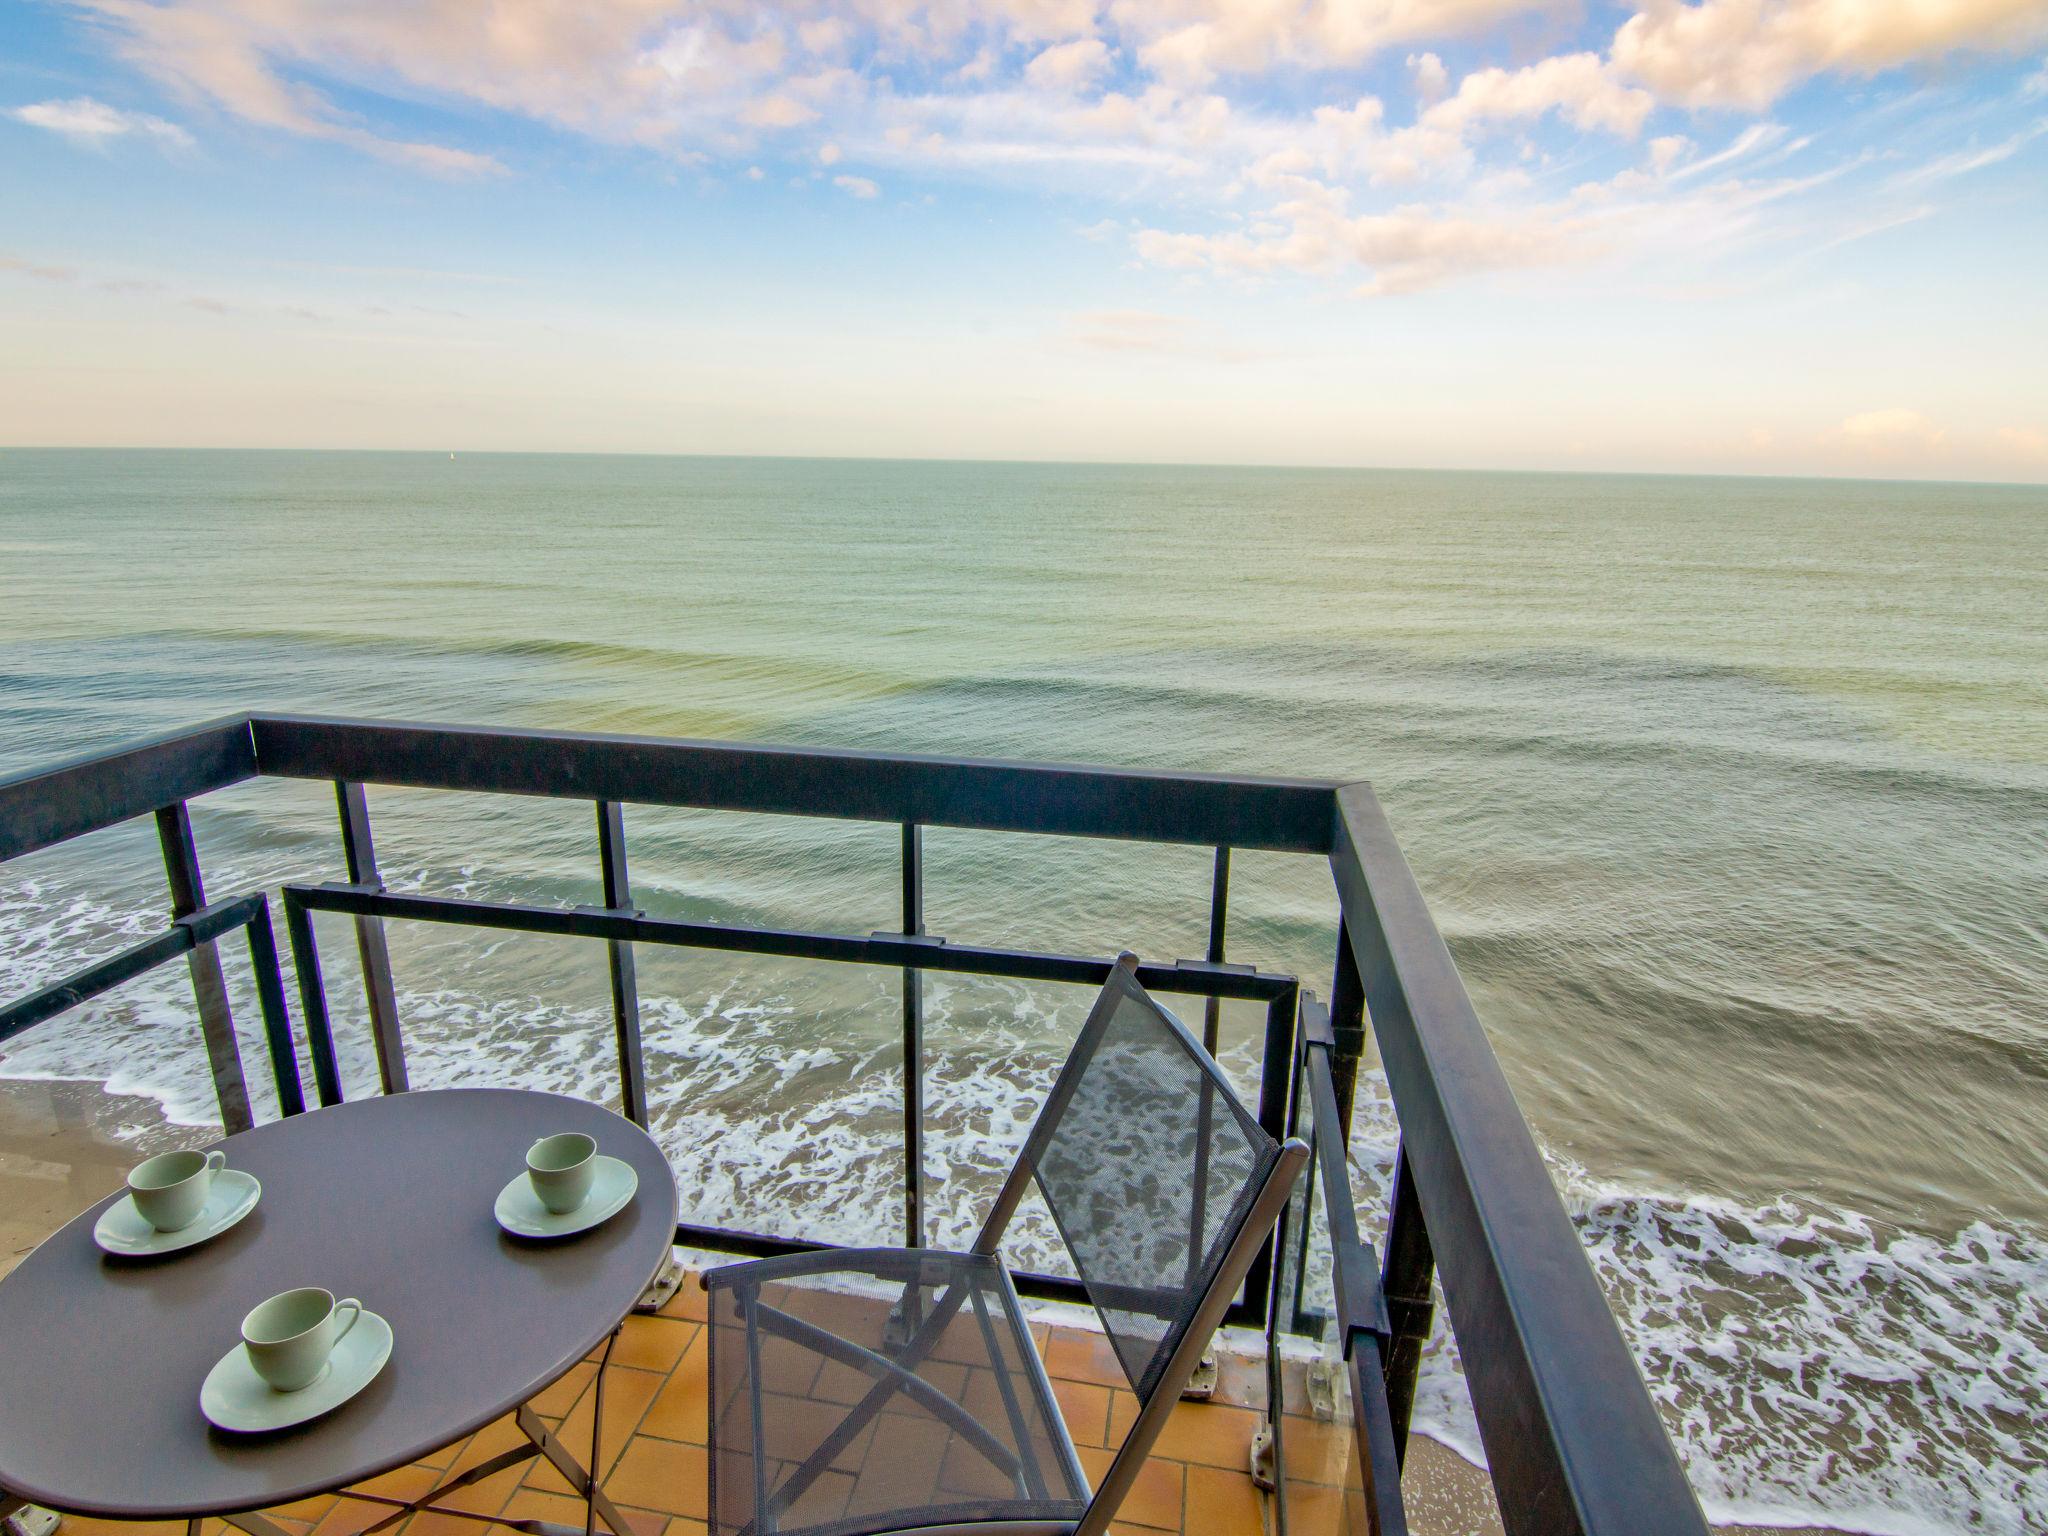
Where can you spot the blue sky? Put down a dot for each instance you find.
(1749, 236)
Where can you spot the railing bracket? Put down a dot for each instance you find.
(29, 1520)
(1262, 1461)
(1322, 1382)
(1202, 1383)
(662, 1288)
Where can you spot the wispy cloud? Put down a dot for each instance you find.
(1962, 162)
(1239, 126)
(1147, 332)
(179, 296)
(86, 121)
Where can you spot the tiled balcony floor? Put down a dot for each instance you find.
(654, 1447)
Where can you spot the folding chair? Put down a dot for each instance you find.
(922, 1405)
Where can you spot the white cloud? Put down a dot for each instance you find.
(777, 111)
(1432, 80)
(857, 186)
(1192, 42)
(2024, 444)
(1667, 151)
(829, 154)
(1747, 53)
(1069, 66)
(1403, 251)
(1578, 86)
(1893, 428)
(977, 69)
(826, 36)
(1144, 334)
(87, 121)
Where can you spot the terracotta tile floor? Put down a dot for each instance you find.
(654, 1447)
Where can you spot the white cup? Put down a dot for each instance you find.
(560, 1169)
(290, 1336)
(171, 1189)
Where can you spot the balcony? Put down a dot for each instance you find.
(1326, 1336)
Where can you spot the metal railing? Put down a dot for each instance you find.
(1573, 1441)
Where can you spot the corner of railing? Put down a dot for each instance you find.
(1574, 1442)
(43, 806)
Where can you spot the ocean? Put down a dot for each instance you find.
(1730, 797)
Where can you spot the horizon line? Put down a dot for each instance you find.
(1044, 463)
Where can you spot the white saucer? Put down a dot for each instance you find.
(520, 1212)
(122, 1231)
(234, 1397)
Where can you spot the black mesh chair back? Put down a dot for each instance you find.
(832, 1416)
(1149, 1165)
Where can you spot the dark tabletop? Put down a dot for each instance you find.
(388, 1199)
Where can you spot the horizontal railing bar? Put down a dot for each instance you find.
(51, 805)
(182, 937)
(1189, 977)
(1276, 814)
(1373, 1429)
(1572, 1438)
(1361, 1306)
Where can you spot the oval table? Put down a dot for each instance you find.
(388, 1199)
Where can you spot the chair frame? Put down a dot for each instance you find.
(1260, 1216)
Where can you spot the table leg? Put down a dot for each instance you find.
(558, 1456)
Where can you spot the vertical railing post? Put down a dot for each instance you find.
(298, 927)
(913, 1042)
(1276, 1086)
(209, 986)
(618, 897)
(1212, 1015)
(377, 985)
(1407, 1276)
(277, 1023)
(1408, 1271)
(1347, 1028)
(1219, 911)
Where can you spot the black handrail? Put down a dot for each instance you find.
(1277, 814)
(1573, 1441)
(83, 794)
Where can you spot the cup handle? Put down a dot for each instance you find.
(216, 1160)
(355, 1316)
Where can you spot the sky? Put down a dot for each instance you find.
(1738, 236)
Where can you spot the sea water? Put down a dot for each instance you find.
(1730, 797)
